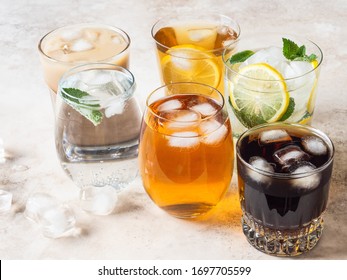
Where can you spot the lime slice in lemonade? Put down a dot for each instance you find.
(258, 94)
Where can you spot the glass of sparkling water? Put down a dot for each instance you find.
(97, 126)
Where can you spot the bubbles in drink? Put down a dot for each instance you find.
(314, 145)
(5, 201)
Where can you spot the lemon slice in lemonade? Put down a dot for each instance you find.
(189, 63)
(258, 94)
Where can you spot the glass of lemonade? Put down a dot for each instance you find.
(186, 148)
(284, 173)
(190, 47)
(271, 78)
(68, 46)
(98, 124)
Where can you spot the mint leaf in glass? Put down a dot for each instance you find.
(240, 57)
(292, 51)
(78, 99)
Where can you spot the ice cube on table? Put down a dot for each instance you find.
(5, 201)
(290, 154)
(57, 221)
(81, 45)
(261, 164)
(205, 109)
(98, 200)
(314, 145)
(170, 105)
(36, 204)
(274, 136)
(306, 181)
(184, 139)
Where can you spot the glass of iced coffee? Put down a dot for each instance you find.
(69, 46)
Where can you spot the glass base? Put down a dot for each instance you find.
(188, 211)
(282, 243)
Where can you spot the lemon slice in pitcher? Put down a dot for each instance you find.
(258, 94)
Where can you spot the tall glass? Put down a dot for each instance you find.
(271, 78)
(71, 45)
(190, 47)
(284, 173)
(98, 125)
(186, 149)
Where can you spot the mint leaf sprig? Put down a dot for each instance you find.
(74, 97)
(292, 51)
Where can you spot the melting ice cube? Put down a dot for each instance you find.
(5, 201)
(290, 154)
(306, 182)
(91, 35)
(98, 200)
(184, 139)
(81, 45)
(57, 221)
(71, 34)
(197, 35)
(214, 132)
(272, 56)
(179, 119)
(170, 105)
(36, 204)
(314, 145)
(205, 109)
(261, 163)
(274, 136)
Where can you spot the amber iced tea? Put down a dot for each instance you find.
(190, 50)
(186, 153)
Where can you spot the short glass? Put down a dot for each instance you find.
(71, 45)
(284, 173)
(186, 149)
(97, 125)
(190, 47)
(267, 86)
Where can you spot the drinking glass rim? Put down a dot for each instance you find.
(287, 176)
(184, 83)
(227, 65)
(189, 16)
(88, 67)
(106, 26)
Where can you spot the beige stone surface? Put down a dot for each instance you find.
(138, 229)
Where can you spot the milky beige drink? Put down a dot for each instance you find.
(66, 47)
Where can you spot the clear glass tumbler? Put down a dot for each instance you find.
(186, 149)
(98, 125)
(284, 173)
(71, 45)
(270, 78)
(190, 47)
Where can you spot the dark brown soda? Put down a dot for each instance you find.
(275, 200)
